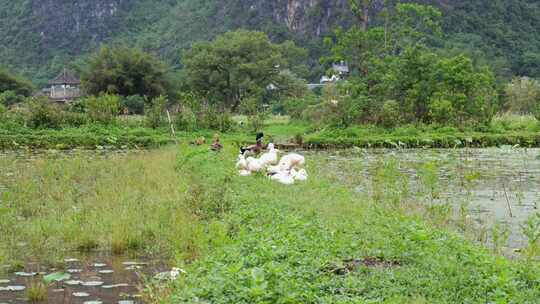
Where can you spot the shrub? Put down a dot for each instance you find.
(42, 114)
(154, 112)
(295, 106)
(9, 98)
(133, 104)
(442, 111)
(390, 115)
(3, 110)
(210, 118)
(73, 119)
(186, 120)
(522, 95)
(102, 109)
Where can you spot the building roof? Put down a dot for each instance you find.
(65, 77)
(341, 67)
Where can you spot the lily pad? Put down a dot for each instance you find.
(81, 294)
(133, 267)
(92, 283)
(25, 274)
(4, 281)
(56, 277)
(74, 270)
(99, 265)
(106, 271)
(13, 288)
(93, 302)
(115, 286)
(71, 260)
(126, 302)
(73, 282)
(131, 263)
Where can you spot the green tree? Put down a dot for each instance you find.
(522, 95)
(102, 109)
(17, 85)
(235, 66)
(125, 71)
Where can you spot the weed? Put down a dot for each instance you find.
(37, 292)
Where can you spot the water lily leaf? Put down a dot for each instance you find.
(81, 294)
(56, 277)
(92, 283)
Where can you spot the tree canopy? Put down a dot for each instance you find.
(238, 65)
(17, 85)
(126, 72)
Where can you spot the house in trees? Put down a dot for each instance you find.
(64, 88)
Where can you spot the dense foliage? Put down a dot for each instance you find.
(126, 72)
(236, 66)
(500, 33)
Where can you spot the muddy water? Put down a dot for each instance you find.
(494, 185)
(93, 279)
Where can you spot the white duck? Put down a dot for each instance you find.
(241, 163)
(254, 164)
(299, 175)
(270, 157)
(287, 163)
(283, 177)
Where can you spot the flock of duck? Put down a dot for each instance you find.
(287, 170)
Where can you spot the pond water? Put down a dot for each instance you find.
(95, 278)
(494, 185)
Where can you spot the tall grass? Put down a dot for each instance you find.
(135, 203)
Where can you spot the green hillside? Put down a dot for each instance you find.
(39, 37)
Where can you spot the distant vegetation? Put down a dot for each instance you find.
(396, 80)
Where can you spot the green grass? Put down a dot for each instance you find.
(292, 244)
(130, 133)
(134, 203)
(251, 240)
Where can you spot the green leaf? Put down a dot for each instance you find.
(56, 277)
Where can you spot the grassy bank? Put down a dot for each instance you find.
(251, 240)
(54, 206)
(506, 130)
(321, 242)
(88, 137)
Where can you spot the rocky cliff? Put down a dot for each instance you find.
(38, 37)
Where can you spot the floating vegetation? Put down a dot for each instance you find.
(92, 283)
(74, 270)
(115, 286)
(56, 277)
(13, 288)
(100, 265)
(106, 271)
(26, 274)
(73, 282)
(81, 294)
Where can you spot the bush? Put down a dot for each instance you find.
(390, 115)
(441, 111)
(295, 106)
(102, 109)
(43, 114)
(73, 119)
(522, 95)
(210, 118)
(133, 104)
(3, 110)
(9, 98)
(186, 120)
(154, 112)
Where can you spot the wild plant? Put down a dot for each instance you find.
(500, 234)
(531, 229)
